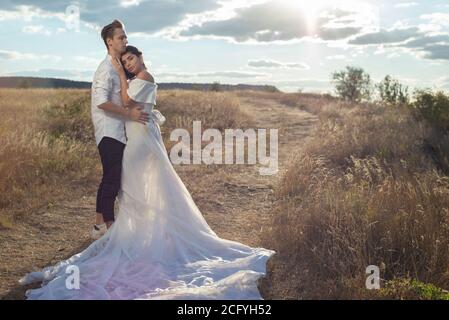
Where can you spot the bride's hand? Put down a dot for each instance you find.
(117, 64)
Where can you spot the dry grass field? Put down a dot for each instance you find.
(357, 186)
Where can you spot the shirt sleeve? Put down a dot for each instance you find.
(142, 91)
(102, 87)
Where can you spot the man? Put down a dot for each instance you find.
(108, 117)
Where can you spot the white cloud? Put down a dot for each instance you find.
(276, 64)
(437, 18)
(36, 30)
(15, 55)
(442, 82)
(425, 40)
(129, 3)
(25, 13)
(393, 35)
(406, 4)
(432, 47)
(172, 75)
(436, 51)
(231, 74)
(336, 57)
(138, 16)
(212, 74)
(281, 21)
(87, 61)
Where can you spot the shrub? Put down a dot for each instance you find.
(433, 106)
(215, 87)
(391, 92)
(352, 84)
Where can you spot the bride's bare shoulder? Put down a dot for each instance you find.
(145, 75)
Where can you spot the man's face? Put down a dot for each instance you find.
(119, 41)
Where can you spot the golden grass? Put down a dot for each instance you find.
(362, 192)
(214, 109)
(34, 168)
(48, 150)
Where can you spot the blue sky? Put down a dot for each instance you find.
(290, 44)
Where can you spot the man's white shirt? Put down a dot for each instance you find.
(106, 87)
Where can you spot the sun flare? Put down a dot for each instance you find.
(312, 11)
(310, 8)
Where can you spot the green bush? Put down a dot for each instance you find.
(433, 106)
(352, 84)
(215, 87)
(408, 289)
(391, 92)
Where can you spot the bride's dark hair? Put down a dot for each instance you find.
(138, 53)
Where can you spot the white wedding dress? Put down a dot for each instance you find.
(160, 246)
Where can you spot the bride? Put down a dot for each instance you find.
(160, 246)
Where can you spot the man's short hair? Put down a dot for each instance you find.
(108, 31)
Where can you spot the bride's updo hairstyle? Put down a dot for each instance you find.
(136, 52)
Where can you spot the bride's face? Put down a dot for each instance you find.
(132, 63)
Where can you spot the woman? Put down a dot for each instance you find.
(160, 246)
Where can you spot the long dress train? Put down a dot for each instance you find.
(160, 246)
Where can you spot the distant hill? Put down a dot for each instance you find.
(35, 82)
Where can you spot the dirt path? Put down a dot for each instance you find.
(235, 200)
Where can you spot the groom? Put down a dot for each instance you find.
(108, 117)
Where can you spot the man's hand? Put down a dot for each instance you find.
(136, 114)
(117, 64)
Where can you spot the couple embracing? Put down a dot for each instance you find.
(157, 245)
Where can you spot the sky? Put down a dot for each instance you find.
(294, 45)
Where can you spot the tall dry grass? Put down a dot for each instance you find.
(214, 109)
(37, 166)
(364, 191)
(219, 110)
(47, 146)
